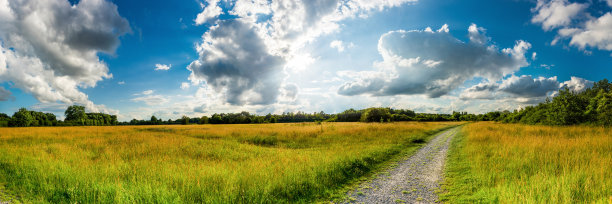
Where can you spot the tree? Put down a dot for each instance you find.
(216, 119)
(113, 120)
(185, 120)
(154, 120)
(4, 120)
(376, 115)
(567, 108)
(76, 113)
(600, 108)
(22, 118)
(204, 120)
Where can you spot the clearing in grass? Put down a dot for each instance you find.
(512, 163)
(261, 163)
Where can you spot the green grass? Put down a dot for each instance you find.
(510, 163)
(265, 163)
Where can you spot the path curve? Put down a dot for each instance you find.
(413, 180)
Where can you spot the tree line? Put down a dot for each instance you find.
(75, 115)
(592, 106)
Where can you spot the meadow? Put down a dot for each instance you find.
(512, 163)
(254, 163)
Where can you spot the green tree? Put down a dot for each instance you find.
(154, 120)
(113, 120)
(376, 115)
(22, 118)
(567, 108)
(76, 114)
(600, 108)
(204, 120)
(185, 120)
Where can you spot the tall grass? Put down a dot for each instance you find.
(264, 163)
(511, 163)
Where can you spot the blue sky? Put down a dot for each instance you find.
(284, 56)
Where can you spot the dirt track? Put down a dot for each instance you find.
(413, 180)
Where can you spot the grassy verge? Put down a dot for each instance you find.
(265, 163)
(511, 163)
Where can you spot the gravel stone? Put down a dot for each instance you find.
(413, 180)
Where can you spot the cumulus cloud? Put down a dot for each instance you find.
(121, 82)
(577, 84)
(555, 13)
(575, 23)
(5, 95)
(244, 58)
(597, 33)
(524, 89)
(480, 91)
(234, 60)
(527, 86)
(434, 63)
(163, 67)
(211, 11)
(50, 48)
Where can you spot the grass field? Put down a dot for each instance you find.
(264, 163)
(510, 163)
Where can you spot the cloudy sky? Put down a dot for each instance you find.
(199, 57)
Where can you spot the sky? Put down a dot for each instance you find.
(199, 57)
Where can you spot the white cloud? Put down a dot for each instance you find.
(234, 60)
(185, 85)
(526, 86)
(151, 100)
(147, 92)
(577, 84)
(597, 33)
(211, 11)
(477, 35)
(434, 63)
(556, 13)
(245, 58)
(609, 2)
(483, 90)
(162, 67)
(50, 48)
(524, 89)
(445, 29)
(121, 82)
(534, 56)
(575, 23)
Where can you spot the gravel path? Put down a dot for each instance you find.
(413, 180)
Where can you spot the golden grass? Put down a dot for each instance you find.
(512, 163)
(261, 163)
